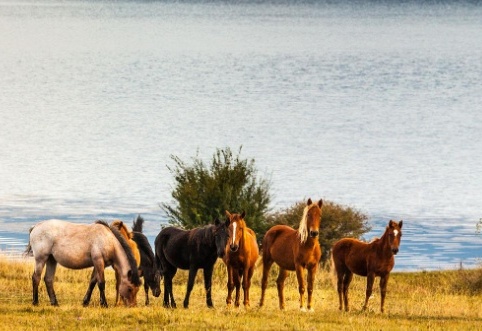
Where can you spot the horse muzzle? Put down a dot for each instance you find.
(314, 234)
(233, 248)
(395, 250)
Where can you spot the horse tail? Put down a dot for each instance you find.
(28, 250)
(333, 275)
(138, 224)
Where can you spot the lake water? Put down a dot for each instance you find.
(372, 105)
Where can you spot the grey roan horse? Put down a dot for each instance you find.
(79, 246)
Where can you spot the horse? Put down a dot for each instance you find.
(80, 246)
(193, 249)
(127, 235)
(294, 250)
(240, 258)
(150, 272)
(375, 259)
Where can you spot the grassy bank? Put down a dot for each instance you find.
(415, 301)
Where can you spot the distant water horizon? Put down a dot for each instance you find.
(367, 104)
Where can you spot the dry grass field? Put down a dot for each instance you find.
(415, 301)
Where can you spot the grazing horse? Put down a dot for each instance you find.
(374, 259)
(240, 258)
(193, 249)
(294, 250)
(79, 246)
(149, 270)
(127, 235)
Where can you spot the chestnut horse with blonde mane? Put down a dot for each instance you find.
(375, 259)
(240, 258)
(294, 250)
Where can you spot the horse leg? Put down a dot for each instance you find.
(237, 285)
(208, 276)
(280, 284)
(230, 285)
(146, 289)
(248, 274)
(36, 277)
(190, 284)
(264, 281)
(168, 294)
(347, 277)
(49, 279)
(339, 288)
(301, 284)
(370, 280)
(310, 281)
(90, 289)
(117, 285)
(383, 289)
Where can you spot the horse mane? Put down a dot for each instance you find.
(138, 224)
(143, 244)
(122, 228)
(130, 256)
(303, 228)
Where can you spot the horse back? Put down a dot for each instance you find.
(72, 245)
(280, 245)
(359, 257)
(171, 247)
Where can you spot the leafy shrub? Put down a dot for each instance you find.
(203, 192)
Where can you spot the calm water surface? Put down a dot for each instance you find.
(376, 106)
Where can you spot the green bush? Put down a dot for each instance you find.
(203, 192)
(337, 222)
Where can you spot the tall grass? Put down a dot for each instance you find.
(415, 301)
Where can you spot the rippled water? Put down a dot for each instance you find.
(376, 106)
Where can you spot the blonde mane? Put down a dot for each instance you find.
(303, 228)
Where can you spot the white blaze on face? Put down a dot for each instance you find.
(234, 231)
(395, 232)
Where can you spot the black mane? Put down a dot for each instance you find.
(130, 256)
(138, 224)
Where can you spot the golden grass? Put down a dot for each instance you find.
(415, 301)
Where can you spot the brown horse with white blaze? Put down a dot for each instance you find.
(241, 255)
(294, 250)
(375, 259)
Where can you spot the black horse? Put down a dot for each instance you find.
(150, 272)
(190, 250)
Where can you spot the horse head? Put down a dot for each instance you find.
(310, 222)
(394, 231)
(221, 236)
(128, 291)
(236, 227)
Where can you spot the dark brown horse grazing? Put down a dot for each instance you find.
(150, 272)
(240, 258)
(374, 259)
(193, 249)
(294, 250)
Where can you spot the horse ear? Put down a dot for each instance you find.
(400, 224)
(309, 202)
(217, 221)
(320, 203)
(390, 224)
(243, 214)
(228, 214)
